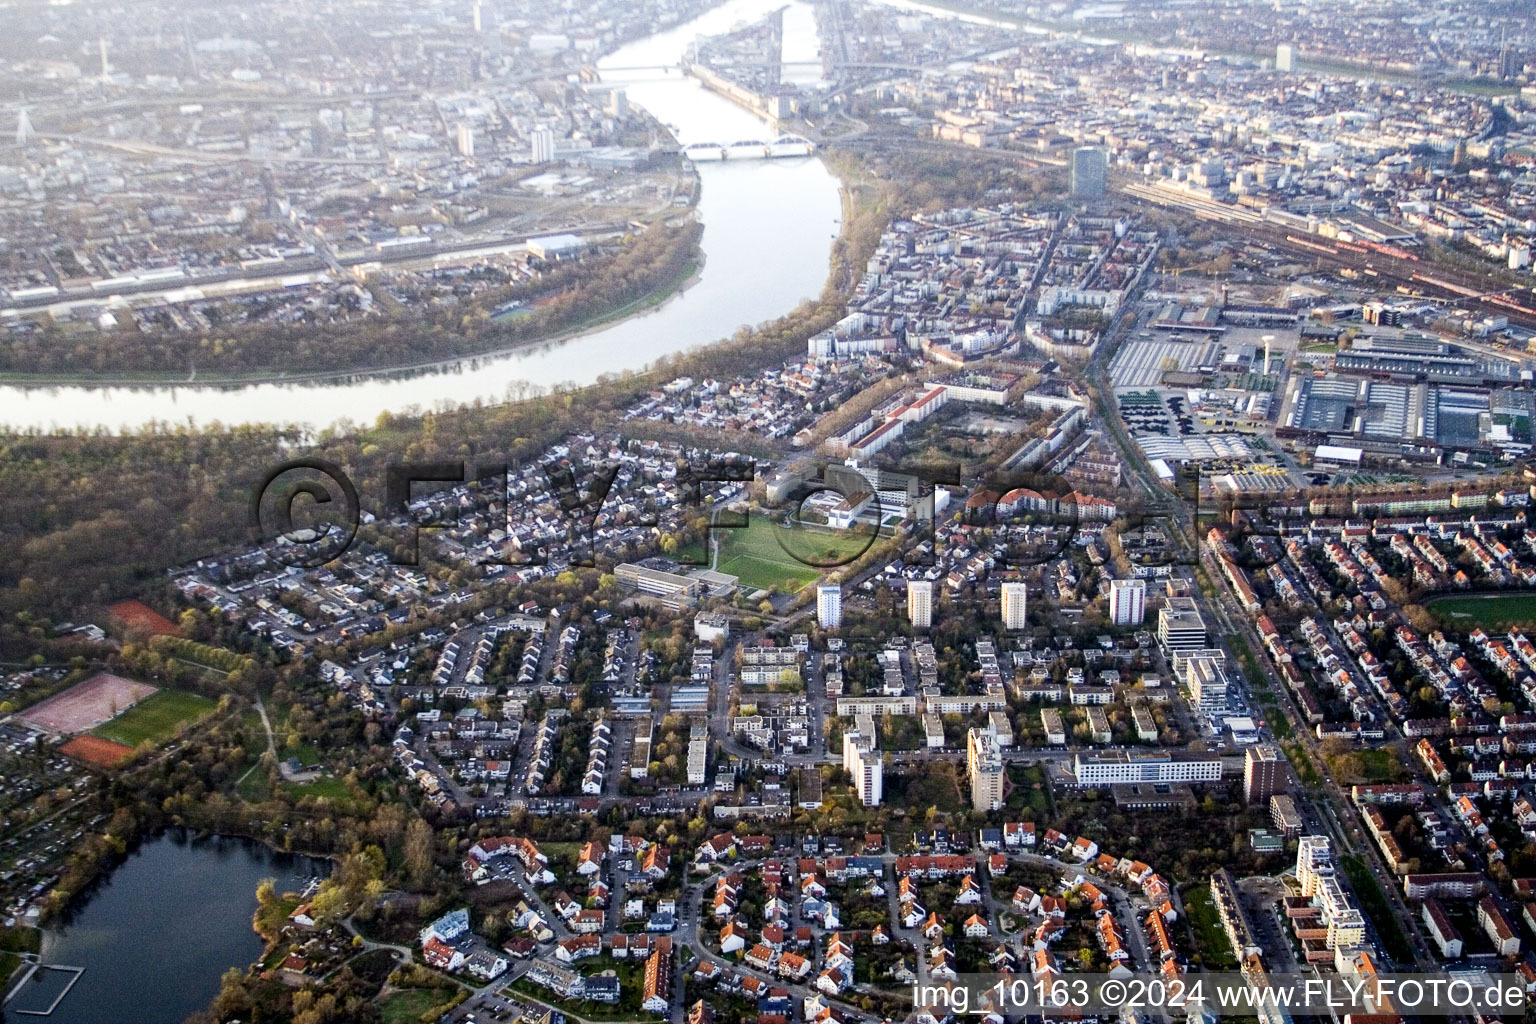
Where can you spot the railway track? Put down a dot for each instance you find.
(1411, 274)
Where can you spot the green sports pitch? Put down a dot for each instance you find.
(1490, 611)
(755, 556)
(156, 718)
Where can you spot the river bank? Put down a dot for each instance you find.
(677, 285)
(767, 227)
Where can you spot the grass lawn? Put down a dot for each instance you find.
(9, 962)
(328, 788)
(307, 754)
(251, 782)
(755, 555)
(410, 1006)
(156, 718)
(1490, 611)
(1210, 938)
(1380, 765)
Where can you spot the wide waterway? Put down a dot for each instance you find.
(768, 230)
(157, 933)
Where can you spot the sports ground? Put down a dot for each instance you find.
(156, 719)
(1491, 611)
(97, 751)
(755, 555)
(86, 705)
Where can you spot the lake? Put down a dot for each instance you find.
(157, 933)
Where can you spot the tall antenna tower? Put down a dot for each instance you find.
(186, 36)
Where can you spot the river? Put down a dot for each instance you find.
(768, 229)
(157, 933)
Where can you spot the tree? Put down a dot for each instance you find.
(329, 904)
(418, 853)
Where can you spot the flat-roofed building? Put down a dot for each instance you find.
(984, 767)
(933, 730)
(1180, 627)
(1113, 767)
(920, 604)
(852, 707)
(1098, 725)
(1055, 728)
(829, 605)
(669, 586)
(1015, 601)
(1207, 686)
(698, 754)
(1264, 773)
(862, 761)
(1284, 815)
(1127, 602)
(1144, 722)
(1234, 919)
(999, 726)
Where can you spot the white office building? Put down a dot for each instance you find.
(920, 604)
(1207, 686)
(829, 605)
(1117, 767)
(1127, 602)
(1014, 606)
(1180, 626)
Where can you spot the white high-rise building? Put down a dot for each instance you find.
(23, 128)
(829, 605)
(1180, 626)
(863, 762)
(1014, 602)
(1316, 872)
(1285, 57)
(920, 603)
(543, 145)
(1127, 602)
(466, 139)
(1207, 685)
(477, 17)
(984, 767)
